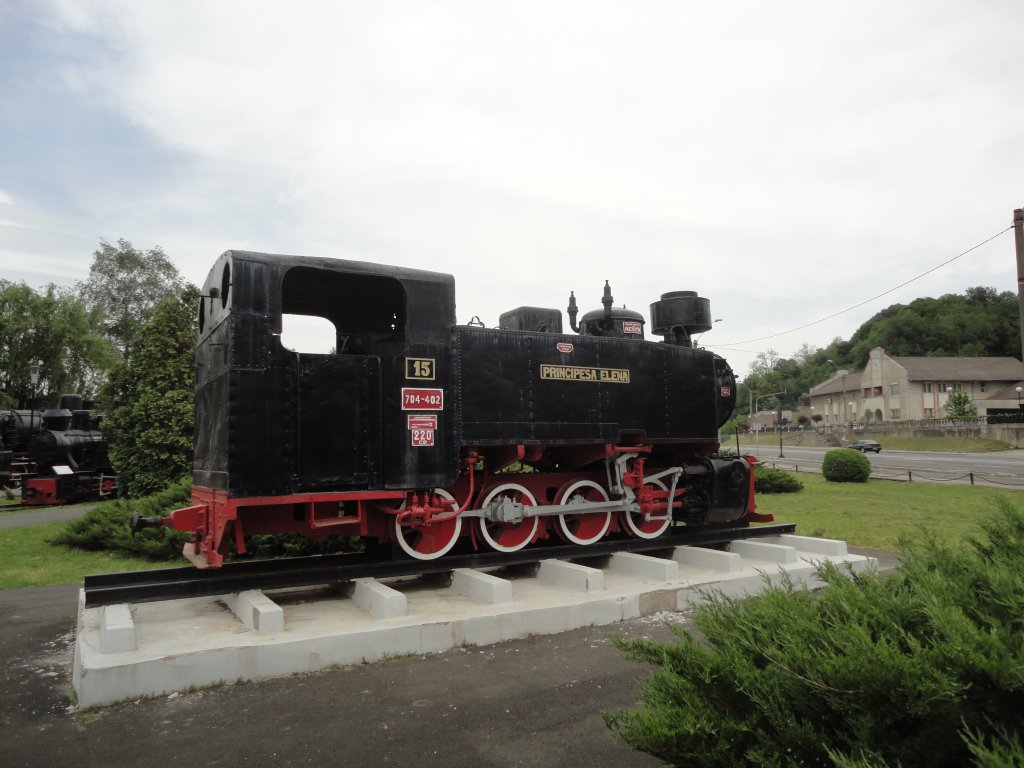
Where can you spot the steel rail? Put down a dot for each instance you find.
(284, 573)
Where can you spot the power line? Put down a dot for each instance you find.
(866, 301)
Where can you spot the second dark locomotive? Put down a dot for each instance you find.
(57, 456)
(431, 435)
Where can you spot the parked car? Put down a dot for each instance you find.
(865, 445)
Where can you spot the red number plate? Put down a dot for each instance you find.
(422, 437)
(422, 399)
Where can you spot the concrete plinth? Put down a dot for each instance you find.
(571, 575)
(379, 600)
(181, 644)
(481, 586)
(257, 611)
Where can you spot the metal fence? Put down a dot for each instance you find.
(908, 475)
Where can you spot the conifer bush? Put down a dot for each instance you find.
(770, 480)
(106, 525)
(924, 667)
(845, 465)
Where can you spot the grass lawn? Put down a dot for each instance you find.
(871, 514)
(892, 442)
(950, 445)
(875, 513)
(26, 560)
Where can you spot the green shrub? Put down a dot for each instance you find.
(294, 545)
(845, 465)
(921, 668)
(770, 480)
(106, 526)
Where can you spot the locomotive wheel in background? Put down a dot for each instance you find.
(585, 528)
(427, 542)
(637, 526)
(509, 537)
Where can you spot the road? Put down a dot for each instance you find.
(1005, 468)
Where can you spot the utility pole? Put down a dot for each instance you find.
(1018, 239)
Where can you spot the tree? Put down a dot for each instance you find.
(983, 322)
(127, 284)
(960, 406)
(149, 400)
(56, 330)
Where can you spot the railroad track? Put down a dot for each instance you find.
(238, 576)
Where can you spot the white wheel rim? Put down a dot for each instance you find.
(563, 520)
(635, 529)
(491, 541)
(410, 550)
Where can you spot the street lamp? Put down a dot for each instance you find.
(781, 454)
(33, 376)
(1019, 406)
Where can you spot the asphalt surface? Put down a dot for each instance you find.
(17, 517)
(533, 702)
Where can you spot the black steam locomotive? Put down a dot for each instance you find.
(61, 452)
(16, 430)
(432, 435)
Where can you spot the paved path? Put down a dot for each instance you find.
(534, 702)
(24, 518)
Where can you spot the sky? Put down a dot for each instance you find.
(785, 160)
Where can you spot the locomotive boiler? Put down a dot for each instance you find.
(432, 436)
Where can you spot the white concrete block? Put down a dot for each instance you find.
(197, 641)
(832, 547)
(485, 630)
(554, 619)
(644, 566)
(117, 629)
(257, 611)
(609, 611)
(712, 559)
(756, 550)
(382, 602)
(561, 573)
(477, 585)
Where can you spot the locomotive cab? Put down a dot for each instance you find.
(276, 421)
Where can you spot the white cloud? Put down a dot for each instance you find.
(784, 160)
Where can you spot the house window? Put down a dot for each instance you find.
(929, 413)
(877, 392)
(959, 386)
(894, 388)
(982, 386)
(927, 387)
(894, 413)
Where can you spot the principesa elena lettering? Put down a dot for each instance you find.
(584, 373)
